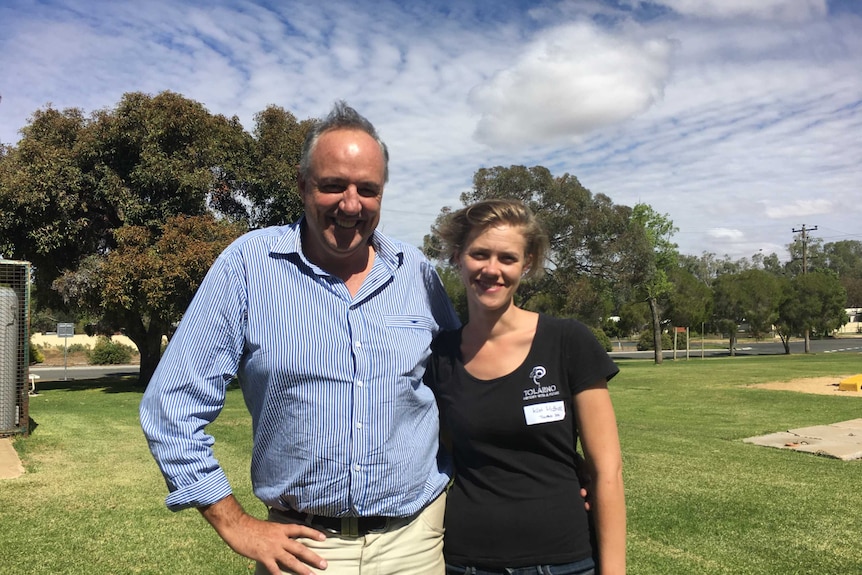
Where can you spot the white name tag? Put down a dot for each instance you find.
(545, 412)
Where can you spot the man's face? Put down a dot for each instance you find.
(342, 195)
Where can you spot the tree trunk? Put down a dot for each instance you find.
(149, 362)
(785, 341)
(656, 328)
(732, 344)
(149, 342)
(807, 340)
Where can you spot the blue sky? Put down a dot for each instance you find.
(740, 119)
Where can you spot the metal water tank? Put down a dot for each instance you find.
(8, 357)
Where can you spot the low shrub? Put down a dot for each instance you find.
(109, 352)
(36, 355)
(603, 338)
(645, 341)
(681, 338)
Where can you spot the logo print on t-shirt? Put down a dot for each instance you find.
(538, 373)
(540, 391)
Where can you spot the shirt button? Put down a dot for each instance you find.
(359, 383)
(358, 344)
(358, 425)
(356, 467)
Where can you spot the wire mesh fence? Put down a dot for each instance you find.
(14, 346)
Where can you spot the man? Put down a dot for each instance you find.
(327, 324)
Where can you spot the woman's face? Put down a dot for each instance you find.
(491, 265)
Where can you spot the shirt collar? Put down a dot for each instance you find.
(290, 243)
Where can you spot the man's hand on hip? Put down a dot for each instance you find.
(273, 545)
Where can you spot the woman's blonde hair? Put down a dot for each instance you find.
(457, 226)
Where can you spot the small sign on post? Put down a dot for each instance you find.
(65, 330)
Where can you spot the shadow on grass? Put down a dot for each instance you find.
(108, 383)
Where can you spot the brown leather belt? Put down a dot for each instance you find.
(344, 526)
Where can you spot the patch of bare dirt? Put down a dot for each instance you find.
(54, 357)
(818, 385)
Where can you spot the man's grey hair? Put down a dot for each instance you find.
(342, 117)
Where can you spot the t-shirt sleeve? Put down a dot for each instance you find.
(586, 360)
(439, 367)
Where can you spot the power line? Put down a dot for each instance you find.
(804, 231)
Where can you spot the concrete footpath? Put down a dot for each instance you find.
(842, 440)
(10, 464)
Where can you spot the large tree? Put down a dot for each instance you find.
(261, 188)
(806, 254)
(844, 258)
(42, 212)
(594, 254)
(753, 297)
(660, 259)
(144, 284)
(707, 267)
(78, 192)
(815, 302)
(689, 302)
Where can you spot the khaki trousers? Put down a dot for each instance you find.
(412, 549)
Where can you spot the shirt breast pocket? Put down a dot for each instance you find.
(409, 321)
(407, 341)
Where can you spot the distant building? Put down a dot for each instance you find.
(854, 323)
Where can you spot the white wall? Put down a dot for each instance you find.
(51, 339)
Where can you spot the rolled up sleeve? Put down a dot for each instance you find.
(187, 390)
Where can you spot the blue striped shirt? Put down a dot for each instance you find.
(342, 423)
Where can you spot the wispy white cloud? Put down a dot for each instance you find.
(724, 114)
(725, 233)
(792, 10)
(799, 209)
(569, 81)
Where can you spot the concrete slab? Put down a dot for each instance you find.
(842, 440)
(10, 464)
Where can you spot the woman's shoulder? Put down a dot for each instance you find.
(564, 325)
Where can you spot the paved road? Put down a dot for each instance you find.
(54, 373)
(763, 348)
(848, 345)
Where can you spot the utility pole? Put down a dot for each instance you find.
(804, 232)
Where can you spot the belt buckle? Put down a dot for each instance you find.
(350, 526)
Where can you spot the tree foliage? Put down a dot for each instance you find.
(260, 188)
(634, 318)
(753, 297)
(816, 302)
(123, 211)
(844, 259)
(117, 211)
(689, 302)
(143, 286)
(708, 267)
(587, 232)
(660, 260)
(595, 254)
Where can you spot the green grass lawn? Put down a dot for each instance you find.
(700, 501)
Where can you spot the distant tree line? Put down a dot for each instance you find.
(614, 261)
(122, 212)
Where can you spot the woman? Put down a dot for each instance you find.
(516, 391)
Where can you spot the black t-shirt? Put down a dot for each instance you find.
(515, 500)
